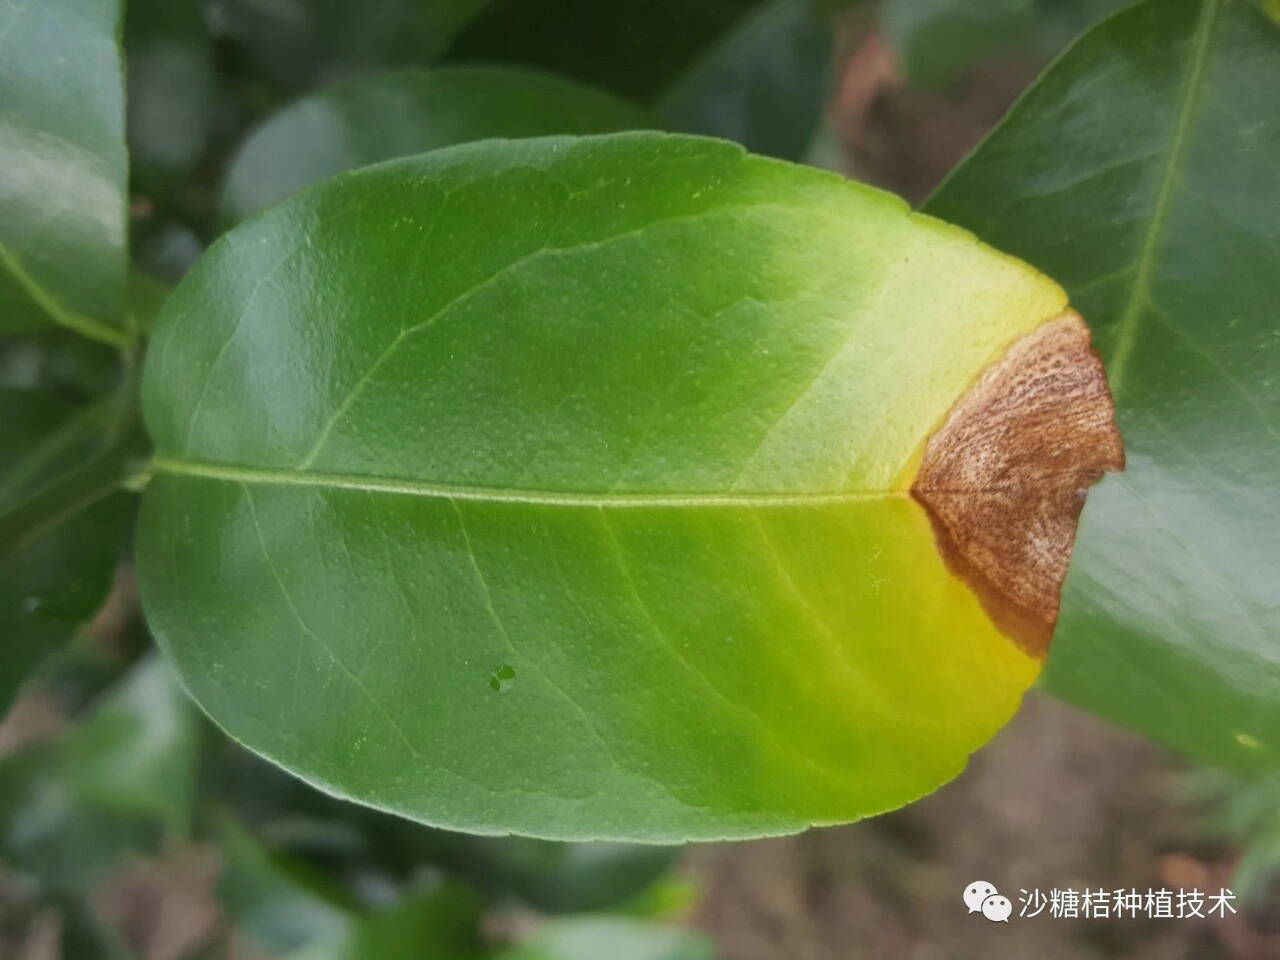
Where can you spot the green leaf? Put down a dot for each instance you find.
(115, 785)
(285, 909)
(630, 423)
(278, 902)
(57, 360)
(764, 85)
(61, 530)
(442, 925)
(589, 938)
(172, 89)
(394, 115)
(1244, 810)
(563, 877)
(550, 876)
(52, 586)
(62, 196)
(939, 40)
(137, 751)
(1141, 171)
(300, 45)
(633, 47)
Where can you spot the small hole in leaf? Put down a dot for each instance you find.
(502, 679)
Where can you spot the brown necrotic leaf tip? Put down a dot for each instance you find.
(1004, 479)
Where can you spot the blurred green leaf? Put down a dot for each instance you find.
(1246, 811)
(563, 877)
(764, 83)
(172, 89)
(114, 786)
(614, 938)
(383, 116)
(1141, 172)
(939, 40)
(549, 875)
(137, 752)
(53, 585)
(85, 936)
(57, 360)
(288, 909)
(442, 925)
(144, 298)
(61, 529)
(280, 903)
(303, 43)
(62, 153)
(670, 897)
(634, 47)
(165, 249)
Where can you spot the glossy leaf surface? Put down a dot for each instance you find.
(1142, 172)
(398, 114)
(561, 487)
(63, 168)
(764, 84)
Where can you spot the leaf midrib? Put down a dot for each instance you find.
(368, 483)
(393, 485)
(1140, 292)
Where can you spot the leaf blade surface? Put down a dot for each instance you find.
(599, 525)
(62, 198)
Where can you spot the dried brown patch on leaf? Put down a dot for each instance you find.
(1004, 479)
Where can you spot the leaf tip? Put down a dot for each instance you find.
(1004, 479)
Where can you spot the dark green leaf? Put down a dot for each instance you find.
(56, 359)
(1142, 172)
(637, 48)
(551, 876)
(300, 45)
(627, 423)
(61, 531)
(441, 925)
(172, 88)
(143, 299)
(114, 786)
(62, 191)
(286, 909)
(394, 115)
(279, 903)
(52, 586)
(563, 877)
(938, 40)
(764, 84)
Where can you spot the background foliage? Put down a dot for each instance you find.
(1140, 171)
